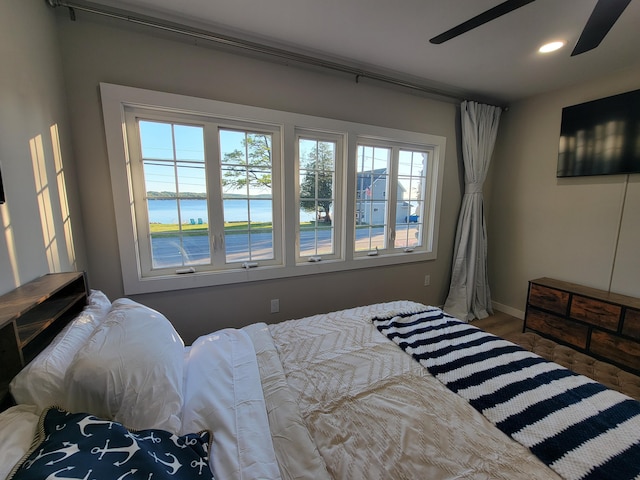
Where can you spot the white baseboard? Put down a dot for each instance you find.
(508, 310)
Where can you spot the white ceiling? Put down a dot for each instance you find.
(498, 60)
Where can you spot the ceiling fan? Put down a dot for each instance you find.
(604, 15)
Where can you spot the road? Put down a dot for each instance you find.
(168, 252)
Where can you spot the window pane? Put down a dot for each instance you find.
(194, 212)
(176, 193)
(166, 250)
(235, 210)
(232, 147)
(171, 248)
(159, 177)
(156, 140)
(191, 180)
(246, 159)
(372, 185)
(261, 210)
(317, 167)
(259, 179)
(189, 145)
(196, 247)
(236, 242)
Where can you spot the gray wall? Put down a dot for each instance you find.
(41, 225)
(584, 230)
(100, 51)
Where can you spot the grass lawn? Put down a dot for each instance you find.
(159, 229)
(201, 229)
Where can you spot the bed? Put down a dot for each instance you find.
(375, 392)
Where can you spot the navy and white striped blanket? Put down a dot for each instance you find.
(577, 426)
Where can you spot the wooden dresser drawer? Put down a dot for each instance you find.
(620, 350)
(598, 322)
(550, 299)
(595, 312)
(564, 330)
(631, 325)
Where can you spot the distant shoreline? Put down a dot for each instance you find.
(201, 196)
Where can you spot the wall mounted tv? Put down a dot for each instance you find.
(601, 137)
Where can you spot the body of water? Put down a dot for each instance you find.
(166, 211)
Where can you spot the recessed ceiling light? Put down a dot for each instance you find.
(551, 47)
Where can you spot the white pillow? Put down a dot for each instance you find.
(41, 382)
(17, 429)
(130, 370)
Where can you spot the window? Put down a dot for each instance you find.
(390, 194)
(372, 208)
(247, 194)
(211, 193)
(176, 182)
(319, 160)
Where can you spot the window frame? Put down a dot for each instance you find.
(393, 175)
(276, 198)
(338, 194)
(139, 189)
(115, 98)
(214, 196)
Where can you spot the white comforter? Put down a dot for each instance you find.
(376, 414)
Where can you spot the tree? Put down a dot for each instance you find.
(250, 167)
(316, 189)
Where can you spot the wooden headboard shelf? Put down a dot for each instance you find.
(601, 324)
(31, 316)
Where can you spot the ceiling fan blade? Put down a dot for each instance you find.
(604, 15)
(484, 17)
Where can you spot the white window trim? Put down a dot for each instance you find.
(116, 97)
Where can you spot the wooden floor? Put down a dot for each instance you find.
(499, 324)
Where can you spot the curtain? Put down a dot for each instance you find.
(469, 296)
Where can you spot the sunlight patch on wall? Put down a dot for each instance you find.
(11, 244)
(43, 195)
(62, 194)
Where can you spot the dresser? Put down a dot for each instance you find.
(31, 315)
(601, 324)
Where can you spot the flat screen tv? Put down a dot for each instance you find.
(601, 137)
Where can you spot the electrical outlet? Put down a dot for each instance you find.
(427, 280)
(275, 305)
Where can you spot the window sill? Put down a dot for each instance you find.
(133, 286)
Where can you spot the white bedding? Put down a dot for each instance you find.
(129, 370)
(216, 381)
(297, 455)
(18, 426)
(323, 397)
(41, 382)
(223, 394)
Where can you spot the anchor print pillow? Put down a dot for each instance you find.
(81, 446)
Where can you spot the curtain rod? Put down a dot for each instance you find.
(250, 46)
